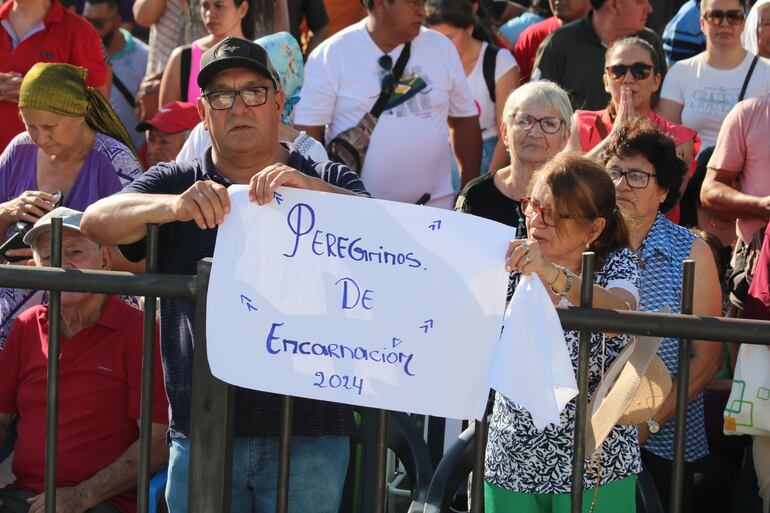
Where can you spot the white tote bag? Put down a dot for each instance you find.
(748, 408)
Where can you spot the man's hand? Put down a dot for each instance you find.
(68, 500)
(10, 83)
(206, 203)
(24, 253)
(263, 184)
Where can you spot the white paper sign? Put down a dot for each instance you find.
(357, 301)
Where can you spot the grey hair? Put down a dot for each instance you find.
(542, 92)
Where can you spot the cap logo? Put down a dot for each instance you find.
(227, 49)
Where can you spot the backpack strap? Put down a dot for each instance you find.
(120, 86)
(488, 67)
(184, 71)
(388, 88)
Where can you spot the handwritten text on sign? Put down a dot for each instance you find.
(357, 301)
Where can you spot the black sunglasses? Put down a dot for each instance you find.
(639, 70)
(386, 63)
(99, 23)
(715, 16)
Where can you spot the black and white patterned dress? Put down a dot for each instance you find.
(521, 458)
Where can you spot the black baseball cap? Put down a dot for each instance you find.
(234, 52)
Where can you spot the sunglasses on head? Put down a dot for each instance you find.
(715, 16)
(639, 70)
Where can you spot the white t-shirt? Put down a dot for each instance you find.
(408, 153)
(708, 94)
(199, 141)
(504, 62)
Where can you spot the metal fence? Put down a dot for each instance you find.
(213, 400)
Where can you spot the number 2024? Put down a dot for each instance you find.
(337, 381)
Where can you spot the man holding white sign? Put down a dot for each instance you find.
(240, 106)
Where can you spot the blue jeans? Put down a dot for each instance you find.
(317, 474)
(487, 150)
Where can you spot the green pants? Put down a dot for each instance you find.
(616, 497)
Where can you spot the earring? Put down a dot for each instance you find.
(588, 245)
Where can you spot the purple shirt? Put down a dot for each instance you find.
(109, 167)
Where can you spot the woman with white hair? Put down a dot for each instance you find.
(756, 35)
(535, 127)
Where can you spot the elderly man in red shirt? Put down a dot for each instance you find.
(99, 390)
(33, 31)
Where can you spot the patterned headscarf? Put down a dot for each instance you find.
(286, 58)
(749, 36)
(61, 89)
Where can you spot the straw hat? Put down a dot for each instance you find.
(631, 391)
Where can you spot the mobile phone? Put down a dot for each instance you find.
(17, 240)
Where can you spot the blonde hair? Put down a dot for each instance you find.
(538, 92)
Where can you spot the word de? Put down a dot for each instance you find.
(352, 296)
(302, 219)
(337, 381)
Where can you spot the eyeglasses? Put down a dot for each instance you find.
(386, 63)
(99, 23)
(715, 16)
(639, 70)
(223, 100)
(531, 208)
(548, 124)
(635, 179)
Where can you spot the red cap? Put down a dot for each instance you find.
(172, 118)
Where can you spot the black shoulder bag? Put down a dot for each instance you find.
(349, 147)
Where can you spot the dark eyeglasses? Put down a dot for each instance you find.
(386, 63)
(715, 16)
(635, 179)
(548, 124)
(639, 70)
(223, 100)
(531, 208)
(99, 23)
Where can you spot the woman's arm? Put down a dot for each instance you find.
(147, 12)
(503, 87)
(169, 83)
(670, 110)
(706, 357)
(527, 257)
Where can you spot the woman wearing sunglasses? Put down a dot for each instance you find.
(632, 76)
(647, 173)
(571, 208)
(699, 92)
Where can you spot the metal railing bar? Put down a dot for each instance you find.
(102, 282)
(213, 407)
(581, 407)
(52, 404)
(477, 485)
(683, 378)
(284, 455)
(381, 461)
(148, 373)
(666, 325)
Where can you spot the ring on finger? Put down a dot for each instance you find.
(527, 258)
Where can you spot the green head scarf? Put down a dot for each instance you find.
(61, 89)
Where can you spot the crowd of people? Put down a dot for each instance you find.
(573, 122)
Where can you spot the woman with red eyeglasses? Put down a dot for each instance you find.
(632, 76)
(699, 92)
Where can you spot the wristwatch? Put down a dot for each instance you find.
(653, 426)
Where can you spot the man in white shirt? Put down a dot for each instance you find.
(409, 152)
